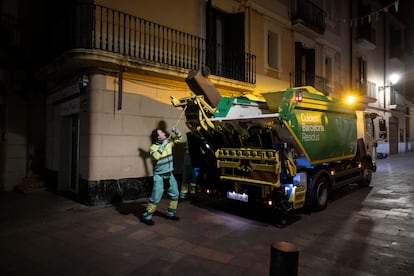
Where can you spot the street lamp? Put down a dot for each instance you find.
(394, 78)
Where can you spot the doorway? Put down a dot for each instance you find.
(304, 65)
(69, 154)
(393, 135)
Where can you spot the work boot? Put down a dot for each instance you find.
(147, 219)
(170, 214)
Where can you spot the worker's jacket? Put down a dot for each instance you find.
(162, 156)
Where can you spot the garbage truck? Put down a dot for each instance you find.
(285, 149)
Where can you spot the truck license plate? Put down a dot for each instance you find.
(236, 196)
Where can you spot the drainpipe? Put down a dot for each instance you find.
(385, 59)
(250, 26)
(120, 87)
(350, 47)
(29, 145)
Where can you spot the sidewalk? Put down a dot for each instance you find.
(362, 232)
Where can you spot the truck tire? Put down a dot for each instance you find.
(366, 178)
(366, 172)
(320, 193)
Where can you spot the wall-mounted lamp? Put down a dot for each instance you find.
(393, 79)
(84, 80)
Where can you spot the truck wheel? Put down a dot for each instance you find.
(320, 193)
(366, 178)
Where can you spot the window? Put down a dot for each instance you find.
(273, 50)
(393, 96)
(362, 70)
(225, 54)
(362, 76)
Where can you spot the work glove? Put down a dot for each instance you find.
(163, 144)
(174, 129)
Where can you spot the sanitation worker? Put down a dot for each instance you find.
(161, 152)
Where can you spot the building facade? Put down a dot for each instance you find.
(109, 69)
(379, 71)
(22, 108)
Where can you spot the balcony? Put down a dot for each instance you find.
(371, 90)
(366, 36)
(307, 14)
(301, 78)
(146, 43)
(367, 93)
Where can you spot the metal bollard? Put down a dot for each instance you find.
(284, 259)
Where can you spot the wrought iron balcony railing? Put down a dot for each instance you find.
(307, 13)
(301, 78)
(368, 89)
(102, 28)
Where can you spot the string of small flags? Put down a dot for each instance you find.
(353, 22)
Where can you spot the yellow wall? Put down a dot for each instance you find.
(183, 15)
(117, 141)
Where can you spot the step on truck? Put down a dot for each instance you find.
(287, 149)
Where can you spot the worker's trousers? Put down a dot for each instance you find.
(158, 191)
